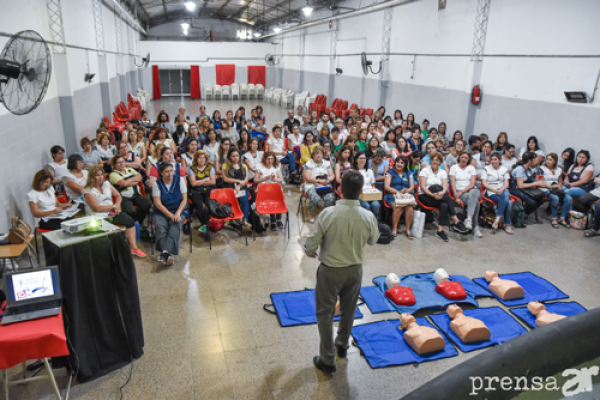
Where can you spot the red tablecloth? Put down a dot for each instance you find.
(32, 340)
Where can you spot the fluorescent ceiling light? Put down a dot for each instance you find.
(257, 34)
(190, 5)
(185, 26)
(277, 28)
(307, 10)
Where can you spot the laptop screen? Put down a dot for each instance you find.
(32, 285)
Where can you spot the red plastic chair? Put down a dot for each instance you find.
(362, 112)
(419, 203)
(270, 200)
(485, 198)
(335, 104)
(369, 111)
(346, 113)
(322, 105)
(119, 119)
(227, 196)
(313, 105)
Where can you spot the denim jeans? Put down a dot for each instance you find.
(373, 206)
(289, 159)
(574, 191)
(567, 205)
(504, 205)
(245, 204)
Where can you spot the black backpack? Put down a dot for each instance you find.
(517, 215)
(257, 225)
(219, 210)
(385, 234)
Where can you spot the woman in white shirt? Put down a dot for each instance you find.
(43, 203)
(495, 179)
(276, 144)
(187, 157)
(433, 192)
(533, 147)
(106, 150)
(57, 168)
(161, 136)
(360, 164)
(462, 182)
(135, 145)
(268, 171)
(75, 179)
(98, 195)
(508, 158)
(318, 174)
(553, 178)
(211, 145)
(253, 158)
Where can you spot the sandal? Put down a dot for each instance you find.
(591, 233)
(508, 230)
(495, 225)
(564, 223)
(554, 224)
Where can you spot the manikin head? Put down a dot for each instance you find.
(453, 310)
(489, 275)
(440, 275)
(535, 307)
(406, 319)
(391, 280)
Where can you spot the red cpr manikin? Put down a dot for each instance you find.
(447, 288)
(399, 295)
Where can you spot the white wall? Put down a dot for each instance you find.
(184, 54)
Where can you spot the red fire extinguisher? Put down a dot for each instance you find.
(476, 97)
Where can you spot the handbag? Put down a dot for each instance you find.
(436, 188)
(534, 193)
(558, 192)
(219, 210)
(418, 224)
(404, 199)
(19, 233)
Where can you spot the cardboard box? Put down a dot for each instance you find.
(371, 195)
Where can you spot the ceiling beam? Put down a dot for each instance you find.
(220, 8)
(182, 14)
(165, 9)
(141, 7)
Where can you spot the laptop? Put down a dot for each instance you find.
(32, 294)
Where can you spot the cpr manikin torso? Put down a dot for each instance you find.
(503, 288)
(467, 329)
(421, 339)
(399, 295)
(447, 288)
(542, 317)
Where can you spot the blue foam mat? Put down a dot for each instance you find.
(298, 308)
(423, 287)
(470, 286)
(536, 289)
(567, 308)
(502, 327)
(383, 346)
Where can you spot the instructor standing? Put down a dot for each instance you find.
(342, 232)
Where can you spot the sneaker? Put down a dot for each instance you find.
(477, 232)
(273, 227)
(279, 225)
(138, 253)
(460, 227)
(202, 229)
(170, 260)
(163, 258)
(442, 235)
(469, 223)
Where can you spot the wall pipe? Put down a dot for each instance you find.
(350, 14)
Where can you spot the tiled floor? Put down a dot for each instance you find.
(207, 336)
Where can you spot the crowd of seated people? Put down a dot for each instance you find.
(241, 151)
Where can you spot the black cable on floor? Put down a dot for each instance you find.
(128, 380)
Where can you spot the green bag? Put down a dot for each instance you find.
(517, 215)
